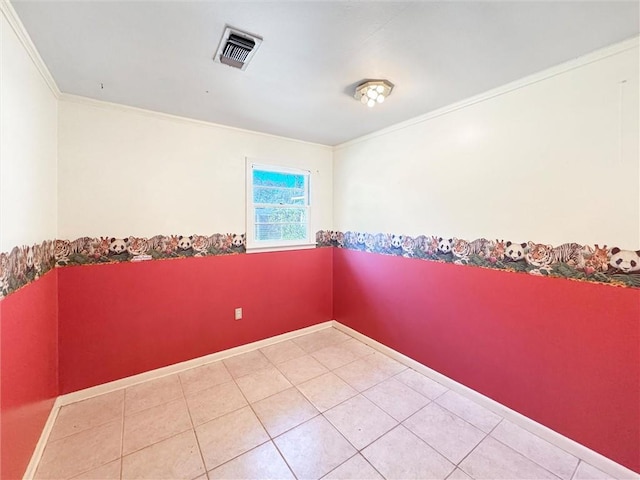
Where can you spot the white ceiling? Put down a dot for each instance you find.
(157, 55)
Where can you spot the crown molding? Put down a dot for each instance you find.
(92, 102)
(592, 57)
(16, 24)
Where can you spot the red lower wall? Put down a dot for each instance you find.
(28, 370)
(564, 353)
(118, 320)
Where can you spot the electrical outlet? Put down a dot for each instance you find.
(238, 313)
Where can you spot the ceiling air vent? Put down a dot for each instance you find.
(237, 48)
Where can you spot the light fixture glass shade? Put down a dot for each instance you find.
(373, 91)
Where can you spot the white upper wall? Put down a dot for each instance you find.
(28, 145)
(553, 161)
(124, 171)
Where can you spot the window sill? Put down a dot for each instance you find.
(280, 248)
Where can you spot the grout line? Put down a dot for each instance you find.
(124, 399)
(575, 470)
(193, 427)
(529, 458)
(283, 457)
(415, 390)
(524, 456)
(338, 466)
(458, 465)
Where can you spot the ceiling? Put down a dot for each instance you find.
(157, 55)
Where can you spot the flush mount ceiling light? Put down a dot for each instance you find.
(373, 91)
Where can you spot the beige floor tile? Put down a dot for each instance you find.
(360, 421)
(395, 398)
(320, 339)
(358, 348)
(468, 410)
(326, 391)
(151, 393)
(361, 374)
(206, 376)
(314, 448)
(459, 475)
(493, 460)
(263, 462)
(549, 456)
(386, 364)
(228, 436)
(447, 433)
(283, 411)
(213, 402)
(81, 452)
(173, 458)
(302, 369)
(282, 351)
(155, 424)
(335, 356)
(356, 468)
(246, 363)
(589, 472)
(421, 384)
(399, 454)
(108, 471)
(89, 413)
(262, 384)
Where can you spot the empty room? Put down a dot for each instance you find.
(319, 240)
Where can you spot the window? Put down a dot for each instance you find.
(278, 207)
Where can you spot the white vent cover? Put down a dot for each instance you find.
(237, 48)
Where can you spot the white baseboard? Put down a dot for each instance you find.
(580, 451)
(30, 472)
(180, 367)
(571, 446)
(90, 392)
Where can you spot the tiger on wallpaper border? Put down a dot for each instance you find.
(200, 245)
(462, 249)
(542, 256)
(408, 246)
(137, 246)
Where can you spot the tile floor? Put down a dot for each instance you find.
(323, 405)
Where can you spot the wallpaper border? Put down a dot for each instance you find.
(27, 263)
(589, 263)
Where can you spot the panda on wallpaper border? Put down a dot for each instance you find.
(515, 252)
(445, 245)
(185, 243)
(238, 240)
(624, 261)
(118, 246)
(397, 241)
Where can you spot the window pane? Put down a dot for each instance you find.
(279, 188)
(280, 223)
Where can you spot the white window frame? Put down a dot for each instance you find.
(253, 245)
